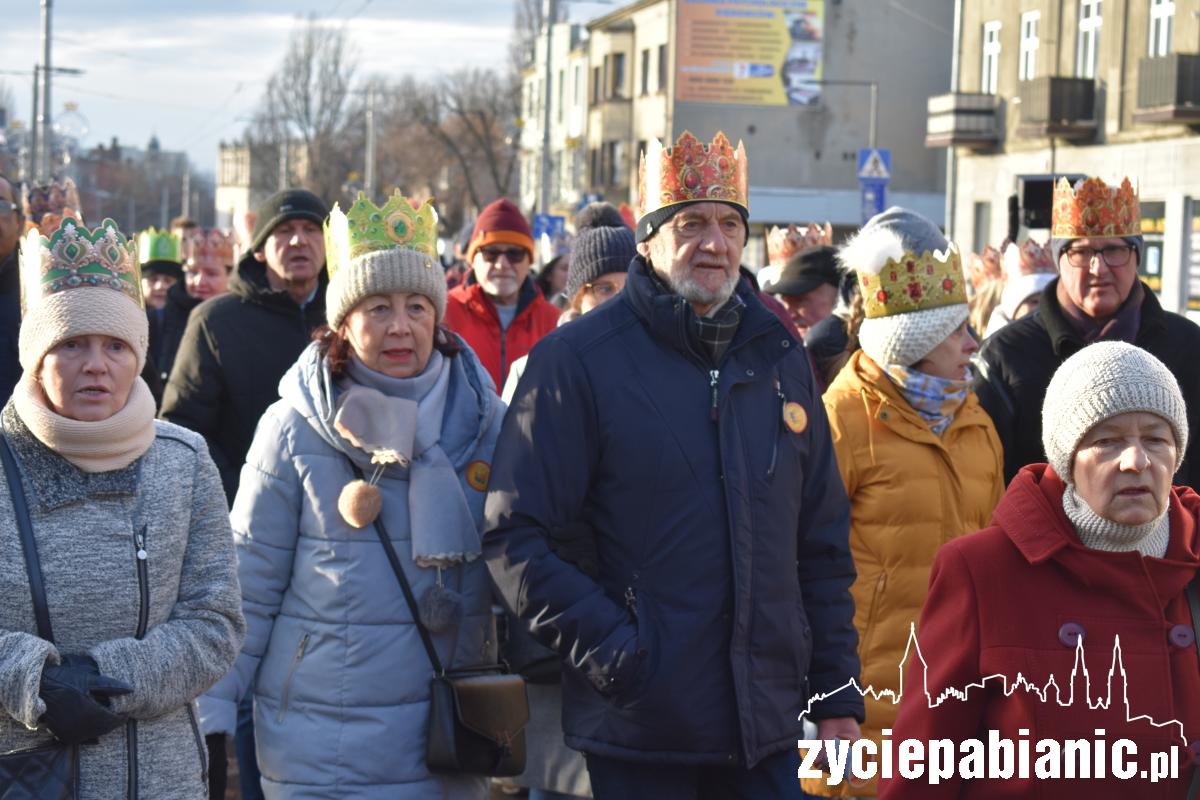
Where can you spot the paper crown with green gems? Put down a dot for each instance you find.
(156, 245)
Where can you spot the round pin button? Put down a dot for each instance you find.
(1070, 634)
(1182, 635)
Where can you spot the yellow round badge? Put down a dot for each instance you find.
(795, 417)
(478, 473)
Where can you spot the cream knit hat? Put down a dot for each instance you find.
(1101, 381)
(378, 250)
(78, 282)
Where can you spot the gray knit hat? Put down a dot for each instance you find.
(1099, 382)
(379, 250)
(603, 244)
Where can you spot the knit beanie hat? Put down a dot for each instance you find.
(77, 282)
(1101, 381)
(603, 244)
(379, 250)
(501, 222)
(285, 205)
(912, 284)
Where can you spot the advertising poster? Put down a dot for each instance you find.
(752, 52)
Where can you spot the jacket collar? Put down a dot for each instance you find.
(249, 282)
(481, 303)
(1063, 337)
(178, 298)
(54, 481)
(1031, 515)
(9, 280)
(666, 317)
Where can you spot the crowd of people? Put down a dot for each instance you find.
(282, 485)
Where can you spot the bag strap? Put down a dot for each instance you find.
(1193, 597)
(33, 567)
(394, 560)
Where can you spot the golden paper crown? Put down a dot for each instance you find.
(692, 171)
(1094, 209)
(73, 257)
(156, 245)
(367, 228)
(208, 245)
(1029, 258)
(782, 243)
(914, 283)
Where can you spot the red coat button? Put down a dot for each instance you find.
(1182, 635)
(1070, 634)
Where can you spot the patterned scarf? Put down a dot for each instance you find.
(1122, 327)
(715, 331)
(937, 400)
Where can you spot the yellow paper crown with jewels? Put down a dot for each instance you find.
(366, 228)
(914, 283)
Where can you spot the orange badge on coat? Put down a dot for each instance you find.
(795, 417)
(478, 473)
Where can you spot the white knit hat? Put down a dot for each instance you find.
(905, 332)
(1099, 382)
(77, 282)
(383, 272)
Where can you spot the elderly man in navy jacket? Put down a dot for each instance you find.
(676, 433)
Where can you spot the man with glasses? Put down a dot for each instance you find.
(674, 437)
(1097, 243)
(12, 224)
(499, 311)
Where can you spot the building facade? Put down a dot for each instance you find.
(1046, 88)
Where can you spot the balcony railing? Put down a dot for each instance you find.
(1169, 89)
(1059, 107)
(961, 118)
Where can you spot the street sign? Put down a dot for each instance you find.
(874, 173)
(552, 225)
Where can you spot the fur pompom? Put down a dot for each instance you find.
(360, 503)
(871, 248)
(440, 608)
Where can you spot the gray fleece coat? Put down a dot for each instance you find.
(84, 525)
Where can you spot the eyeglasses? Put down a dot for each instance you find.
(1114, 255)
(602, 291)
(7, 206)
(515, 255)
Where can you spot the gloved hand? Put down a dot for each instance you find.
(77, 700)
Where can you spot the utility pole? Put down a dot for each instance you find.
(549, 9)
(34, 156)
(187, 191)
(47, 71)
(369, 169)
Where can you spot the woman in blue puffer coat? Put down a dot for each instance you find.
(341, 677)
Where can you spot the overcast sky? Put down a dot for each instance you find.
(191, 72)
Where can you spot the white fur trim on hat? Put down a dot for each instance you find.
(1099, 382)
(869, 249)
(905, 339)
(383, 272)
(79, 312)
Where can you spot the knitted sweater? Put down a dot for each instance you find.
(84, 525)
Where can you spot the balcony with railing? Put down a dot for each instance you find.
(1169, 89)
(1058, 107)
(962, 119)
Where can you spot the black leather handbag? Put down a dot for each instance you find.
(477, 716)
(50, 771)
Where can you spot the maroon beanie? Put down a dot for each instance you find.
(500, 222)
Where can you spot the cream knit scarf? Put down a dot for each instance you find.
(100, 446)
(1098, 533)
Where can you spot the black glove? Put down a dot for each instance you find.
(77, 700)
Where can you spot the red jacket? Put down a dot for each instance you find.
(472, 315)
(1007, 600)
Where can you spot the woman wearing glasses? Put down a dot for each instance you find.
(1097, 245)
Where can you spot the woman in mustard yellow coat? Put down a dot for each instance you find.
(919, 457)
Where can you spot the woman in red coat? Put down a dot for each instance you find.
(1091, 549)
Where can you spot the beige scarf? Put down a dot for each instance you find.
(99, 446)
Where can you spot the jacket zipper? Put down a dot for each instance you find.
(200, 748)
(714, 377)
(131, 732)
(778, 423)
(287, 684)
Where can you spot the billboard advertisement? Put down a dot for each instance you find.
(750, 52)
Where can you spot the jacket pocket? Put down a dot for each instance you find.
(286, 691)
(867, 633)
(645, 653)
(200, 747)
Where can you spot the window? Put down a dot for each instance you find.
(618, 75)
(1162, 17)
(1027, 62)
(645, 72)
(990, 69)
(662, 68)
(562, 79)
(577, 90)
(1088, 44)
(594, 167)
(596, 78)
(983, 226)
(618, 164)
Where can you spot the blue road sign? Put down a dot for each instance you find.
(874, 199)
(874, 164)
(552, 225)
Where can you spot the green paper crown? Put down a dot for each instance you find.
(156, 245)
(366, 228)
(74, 257)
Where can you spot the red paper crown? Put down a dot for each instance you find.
(782, 243)
(692, 171)
(212, 244)
(1028, 258)
(1095, 209)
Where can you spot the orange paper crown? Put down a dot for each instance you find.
(692, 171)
(212, 244)
(782, 243)
(985, 266)
(914, 283)
(1094, 209)
(1029, 258)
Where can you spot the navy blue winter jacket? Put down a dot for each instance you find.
(722, 599)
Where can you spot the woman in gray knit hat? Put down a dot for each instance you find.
(120, 519)
(387, 419)
(1086, 572)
